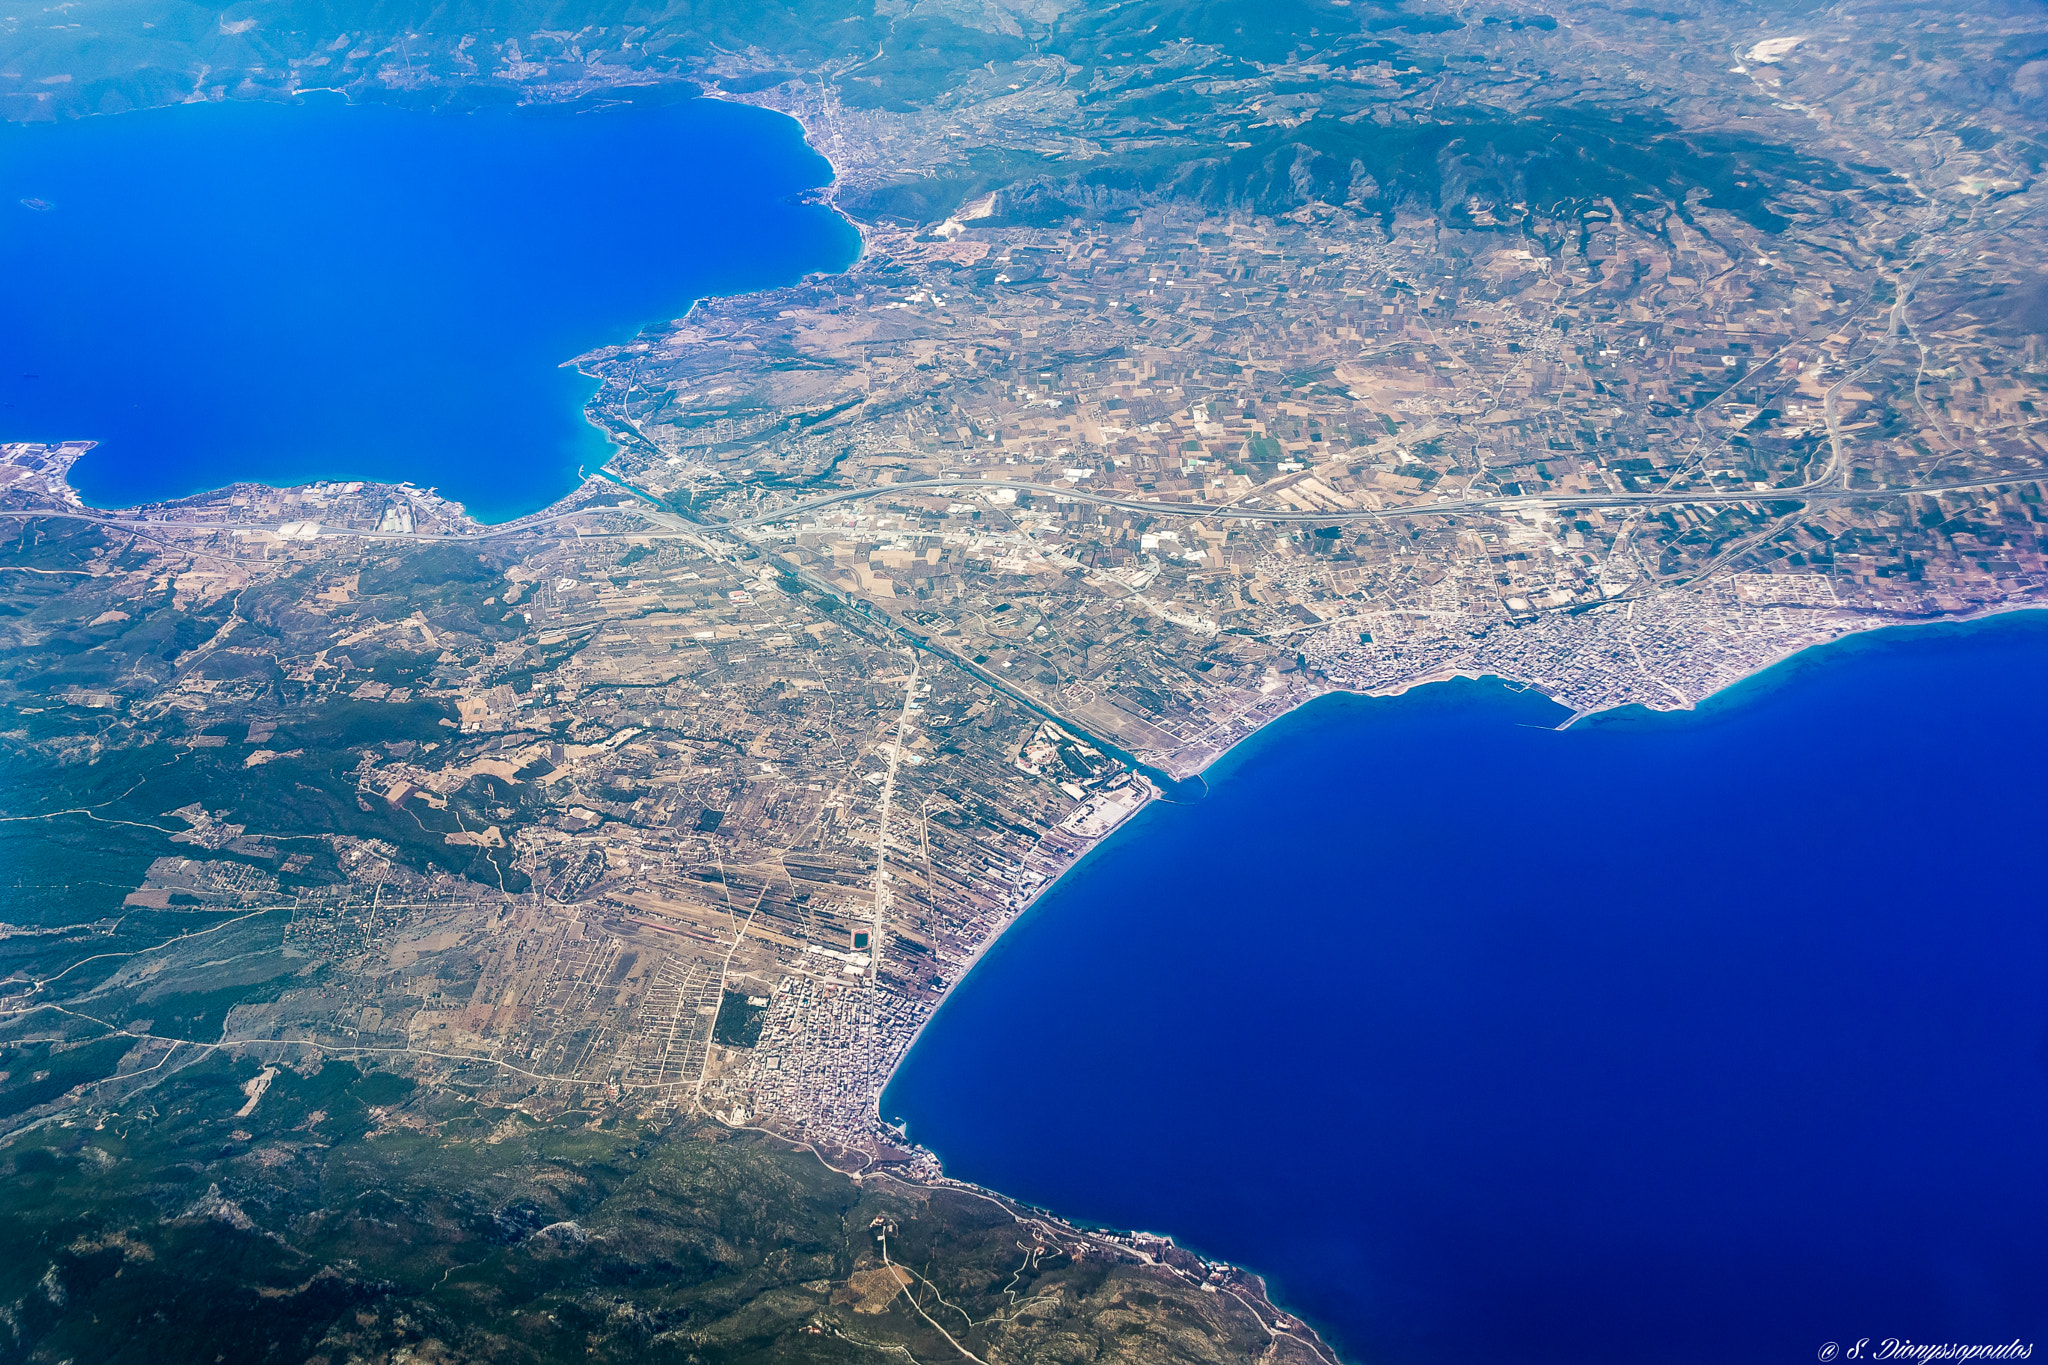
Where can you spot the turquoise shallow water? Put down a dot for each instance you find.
(1697, 1037)
(287, 293)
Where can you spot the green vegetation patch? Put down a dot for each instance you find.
(350, 1215)
(739, 1021)
(921, 60)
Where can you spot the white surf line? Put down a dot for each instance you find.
(882, 895)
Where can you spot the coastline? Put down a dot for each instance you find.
(1853, 628)
(666, 90)
(1852, 634)
(463, 525)
(827, 193)
(1157, 1249)
(1855, 633)
(1065, 857)
(1286, 1321)
(1302, 692)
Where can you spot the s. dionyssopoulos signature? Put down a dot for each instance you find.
(1899, 1348)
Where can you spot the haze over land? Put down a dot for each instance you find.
(562, 876)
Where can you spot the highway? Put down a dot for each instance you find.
(669, 523)
(1238, 512)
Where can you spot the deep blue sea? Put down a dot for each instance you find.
(1666, 1038)
(292, 292)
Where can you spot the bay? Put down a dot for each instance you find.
(284, 293)
(1702, 1036)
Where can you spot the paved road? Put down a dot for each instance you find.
(883, 896)
(1237, 512)
(670, 522)
(166, 524)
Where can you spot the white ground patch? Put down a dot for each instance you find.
(253, 1088)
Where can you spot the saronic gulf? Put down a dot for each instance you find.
(1698, 1037)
